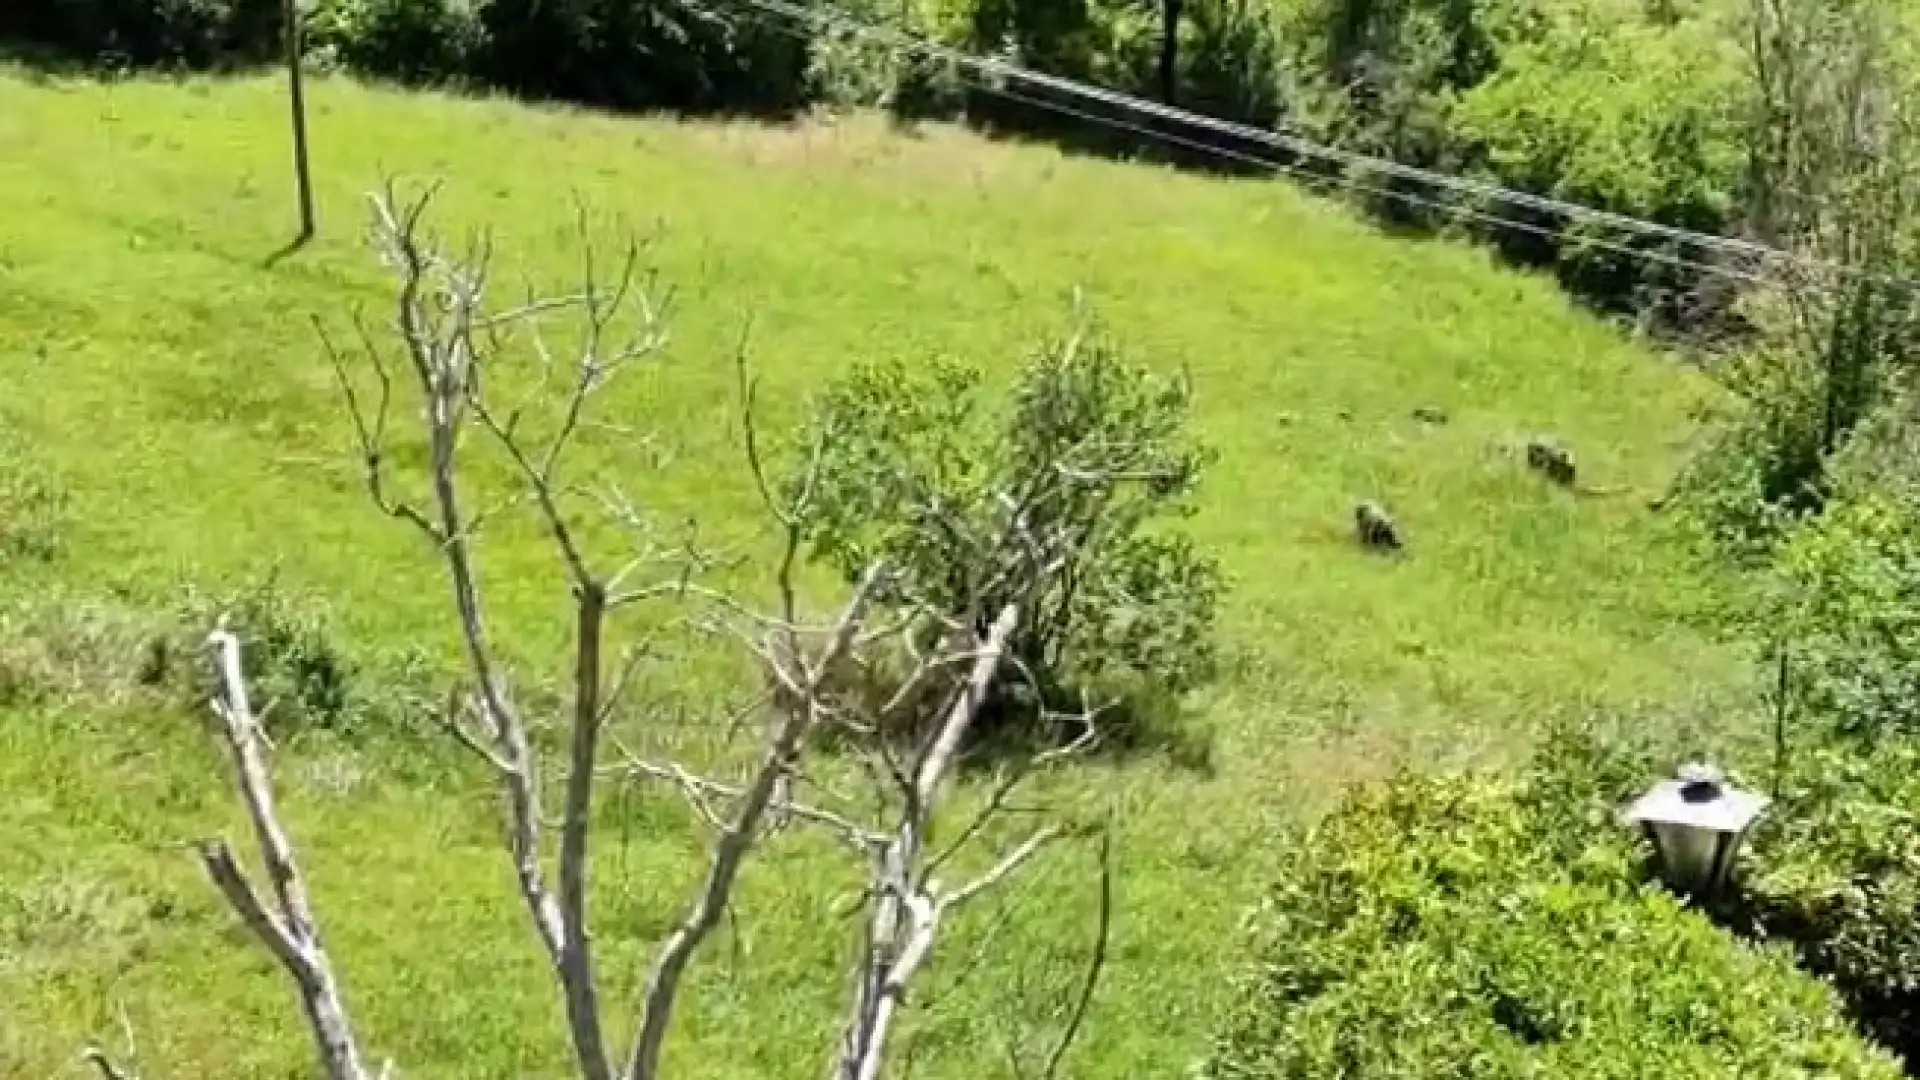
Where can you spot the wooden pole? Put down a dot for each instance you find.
(296, 93)
(1169, 49)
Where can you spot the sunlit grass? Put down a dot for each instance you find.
(173, 382)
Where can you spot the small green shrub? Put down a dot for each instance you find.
(1763, 471)
(293, 658)
(1058, 503)
(290, 656)
(1469, 926)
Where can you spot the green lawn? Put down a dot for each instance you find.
(172, 382)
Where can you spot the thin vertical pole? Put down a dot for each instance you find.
(296, 93)
(1169, 49)
(1780, 707)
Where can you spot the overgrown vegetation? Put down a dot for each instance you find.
(1835, 874)
(1835, 179)
(1051, 503)
(1502, 928)
(1836, 868)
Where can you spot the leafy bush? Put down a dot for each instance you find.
(293, 657)
(1611, 111)
(1848, 609)
(1763, 470)
(1835, 870)
(290, 656)
(1835, 867)
(1052, 505)
(1467, 926)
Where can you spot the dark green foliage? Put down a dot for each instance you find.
(1847, 606)
(1835, 866)
(1763, 469)
(1374, 74)
(1055, 504)
(1835, 870)
(637, 54)
(1624, 116)
(410, 41)
(289, 654)
(1228, 55)
(190, 33)
(1468, 926)
(293, 657)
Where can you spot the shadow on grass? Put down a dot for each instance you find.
(300, 240)
(1013, 730)
(1134, 726)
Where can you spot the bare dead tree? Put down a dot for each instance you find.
(453, 353)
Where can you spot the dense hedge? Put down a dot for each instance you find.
(1835, 867)
(1836, 873)
(196, 33)
(1472, 927)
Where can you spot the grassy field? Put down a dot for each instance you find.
(171, 381)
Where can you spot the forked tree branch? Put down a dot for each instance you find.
(730, 848)
(290, 931)
(451, 340)
(907, 908)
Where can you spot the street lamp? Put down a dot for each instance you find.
(1696, 822)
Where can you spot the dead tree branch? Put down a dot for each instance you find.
(290, 930)
(452, 343)
(908, 905)
(731, 846)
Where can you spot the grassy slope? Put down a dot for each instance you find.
(175, 384)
